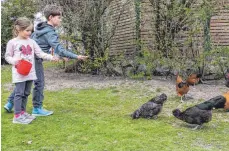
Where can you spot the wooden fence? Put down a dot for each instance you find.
(124, 40)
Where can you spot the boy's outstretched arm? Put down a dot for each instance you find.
(53, 41)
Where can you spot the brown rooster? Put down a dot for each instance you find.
(182, 87)
(193, 79)
(226, 95)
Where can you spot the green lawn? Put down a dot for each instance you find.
(97, 120)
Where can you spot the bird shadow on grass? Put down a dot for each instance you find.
(191, 126)
(219, 111)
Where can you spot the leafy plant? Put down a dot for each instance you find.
(11, 10)
(91, 20)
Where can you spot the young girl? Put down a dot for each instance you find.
(46, 37)
(21, 47)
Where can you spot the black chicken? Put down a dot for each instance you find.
(151, 108)
(200, 113)
(216, 102)
(194, 115)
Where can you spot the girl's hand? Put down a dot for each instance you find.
(18, 59)
(80, 57)
(17, 62)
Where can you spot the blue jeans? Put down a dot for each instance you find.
(39, 84)
(38, 90)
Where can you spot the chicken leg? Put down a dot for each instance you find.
(197, 127)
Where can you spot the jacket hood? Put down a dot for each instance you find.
(43, 28)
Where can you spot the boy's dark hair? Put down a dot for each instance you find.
(53, 10)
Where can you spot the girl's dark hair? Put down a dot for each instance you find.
(53, 10)
(21, 24)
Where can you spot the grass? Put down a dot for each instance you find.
(92, 119)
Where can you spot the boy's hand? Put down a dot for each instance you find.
(65, 59)
(80, 57)
(56, 59)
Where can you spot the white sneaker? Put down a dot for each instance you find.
(21, 120)
(29, 116)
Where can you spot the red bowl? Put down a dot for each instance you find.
(23, 67)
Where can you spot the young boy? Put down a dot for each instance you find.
(46, 37)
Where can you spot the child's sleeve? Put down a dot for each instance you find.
(58, 48)
(9, 55)
(40, 53)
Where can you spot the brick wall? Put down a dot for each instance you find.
(219, 25)
(124, 40)
(147, 25)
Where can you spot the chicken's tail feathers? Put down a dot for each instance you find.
(179, 79)
(199, 75)
(227, 76)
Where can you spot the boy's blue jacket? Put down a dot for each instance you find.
(46, 37)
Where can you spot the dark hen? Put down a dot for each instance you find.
(151, 108)
(194, 115)
(216, 102)
(221, 101)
